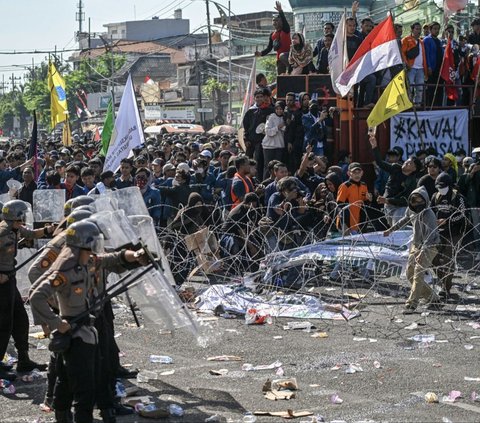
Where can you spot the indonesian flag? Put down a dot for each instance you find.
(378, 51)
(79, 111)
(448, 72)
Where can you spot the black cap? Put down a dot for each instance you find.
(354, 165)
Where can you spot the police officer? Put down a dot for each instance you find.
(13, 317)
(43, 262)
(71, 280)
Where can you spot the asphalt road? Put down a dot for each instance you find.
(397, 372)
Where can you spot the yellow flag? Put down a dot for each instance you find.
(66, 135)
(58, 97)
(393, 101)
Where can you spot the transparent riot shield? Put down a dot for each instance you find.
(48, 205)
(116, 228)
(128, 199)
(104, 203)
(145, 230)
(160, 304)
(5, 198)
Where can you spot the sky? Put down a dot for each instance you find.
(29, 25)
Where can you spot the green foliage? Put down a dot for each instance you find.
(268, 66)
(212, 87)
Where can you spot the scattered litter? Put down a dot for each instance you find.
(315, 385)
(228, 316)
(175, 410)
(475, 337)
(162, 359)
(146, 375)
(38, 335)
(452, 396)
(289, 414)
(40, 346)
(359, 339)
(441, 341)
(225, 358)
(298, 326)
(150, 411)
(411, 326)
(474, 325)
(117, 335)
(355, 296)
(471, 379)
(247, 367)
(377, 364)
(336, 367)
(256, 317)
(278, 337)
(423, 338)
(468, 347)
(475, 397)
(353, 368)
(280, 372)
(372, 340)
(431, 398)
(436, 365)
(7, 387)
(219, 372)
(33, 375)
(398, 321)
(249, 418)
(319, 335)
(232, 330)
(446, 420)
(335, 399)
(8, 359)
(45, 408)
(167, 373)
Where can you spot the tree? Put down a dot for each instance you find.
(268, 64)
(213, 90)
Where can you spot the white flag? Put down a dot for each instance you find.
(128, 132)
(249, 97)
(337, 55)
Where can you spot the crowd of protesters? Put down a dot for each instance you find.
(422, 46)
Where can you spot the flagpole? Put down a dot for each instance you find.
(414, 107)
(349, 102)
(438, 82)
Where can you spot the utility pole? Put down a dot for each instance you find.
(199, 83)
(109, 49)
(14, 80)
(209, 29)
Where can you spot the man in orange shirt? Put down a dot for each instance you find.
(351, 197)
(413, 51)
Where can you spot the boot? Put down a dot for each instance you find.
(108, 415)
(26, 365)
(64, 416)
(6, 367)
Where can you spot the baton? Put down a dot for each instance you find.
(132, 309)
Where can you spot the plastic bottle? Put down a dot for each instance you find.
(162, 359)
(424, 338)
(9, 390)
(175, 410)
(249, 418)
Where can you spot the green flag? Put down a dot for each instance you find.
(107, 129)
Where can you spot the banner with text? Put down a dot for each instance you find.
(444, 130)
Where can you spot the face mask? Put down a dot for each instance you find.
(417, 208)
(141, 183)
(443, 191)
(199, 170)
(458, 159)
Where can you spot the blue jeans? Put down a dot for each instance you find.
(416, 77)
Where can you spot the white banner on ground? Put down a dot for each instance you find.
(444, 130)
(128, 131)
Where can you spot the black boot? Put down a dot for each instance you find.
(26, 365)
(6, 367)
(108, 415)
(64, 416)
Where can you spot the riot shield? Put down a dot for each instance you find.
(116, 228)
(128, 199)
(160, 304)
(48, 205)
(145, 230)
(103, 203)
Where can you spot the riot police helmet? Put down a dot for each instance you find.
(15, 210)
(78, 215)
(85, 235)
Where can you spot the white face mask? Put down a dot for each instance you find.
(443, 191)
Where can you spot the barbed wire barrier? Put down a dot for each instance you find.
(302, 267)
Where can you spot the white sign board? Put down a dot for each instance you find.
(153, 112)
(178, 113)
(444, 130)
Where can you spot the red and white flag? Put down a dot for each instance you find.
(448, 72)
(378, 51)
